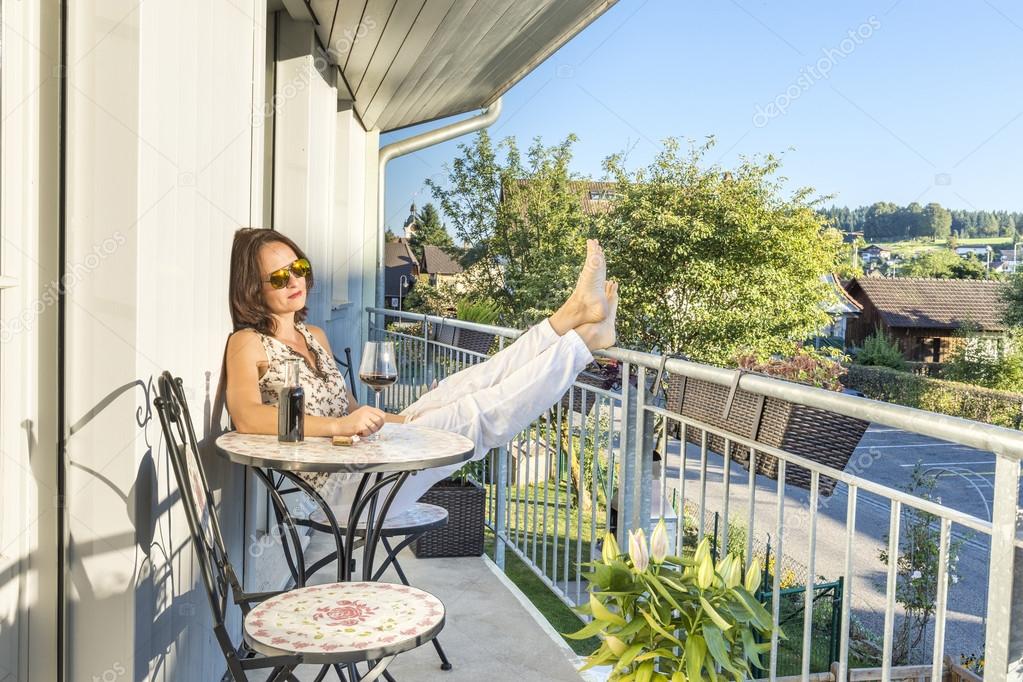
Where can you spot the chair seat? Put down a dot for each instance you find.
(420, 517)
(344, 622)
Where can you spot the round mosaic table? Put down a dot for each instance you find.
(384, 464)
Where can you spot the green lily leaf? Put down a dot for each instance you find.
(603, 613)
(716, 646)
(660, 630)
(589, 630)
(695, 650)
(714, 615)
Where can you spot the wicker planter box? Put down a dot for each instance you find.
(468, 339)
(817, 435)
(463, 536)
(594, 375)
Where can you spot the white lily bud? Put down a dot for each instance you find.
(659, 542)
(638, 550)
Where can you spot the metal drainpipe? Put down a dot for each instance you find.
(484, 119)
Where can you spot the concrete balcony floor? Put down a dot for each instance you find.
(491, 632)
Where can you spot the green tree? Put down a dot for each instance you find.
(713, 264)
(428, 229)
(970, 267)
(521, 221)
(937, 263)
(938, 220)
(1012, 297)
(389, 236)
(995, 363)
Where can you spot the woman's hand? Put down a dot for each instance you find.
(361, 422)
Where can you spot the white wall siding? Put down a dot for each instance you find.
(167, 157)
(325, 179)
(29, 183)
(160, 158)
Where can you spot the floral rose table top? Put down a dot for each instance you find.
(402, 447)
(357, 618)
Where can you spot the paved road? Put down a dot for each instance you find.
(887, 456)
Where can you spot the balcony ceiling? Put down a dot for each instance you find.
(410, 61)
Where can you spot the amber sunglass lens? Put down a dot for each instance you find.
(280, 278)
(301, 268)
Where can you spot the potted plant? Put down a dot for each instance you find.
(466, 501)
(481, 312)
(815, 434)
(664, 618)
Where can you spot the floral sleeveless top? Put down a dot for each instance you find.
(326, 394)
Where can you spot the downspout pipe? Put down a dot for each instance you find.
(484, 119)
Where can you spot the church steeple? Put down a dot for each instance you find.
(410, 222)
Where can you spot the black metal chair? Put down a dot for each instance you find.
(307, 625)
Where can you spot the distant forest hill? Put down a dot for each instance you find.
(884, 221)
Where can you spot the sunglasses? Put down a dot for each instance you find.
(279, 279)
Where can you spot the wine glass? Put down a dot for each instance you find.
(378, 370)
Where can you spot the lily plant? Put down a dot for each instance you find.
(664, 618)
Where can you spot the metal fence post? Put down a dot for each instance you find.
(500, 514)
(1004, 637)
(625, 462)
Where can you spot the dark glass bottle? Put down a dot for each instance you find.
(291, 406)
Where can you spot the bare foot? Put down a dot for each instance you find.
(589, 295)
(600, 335)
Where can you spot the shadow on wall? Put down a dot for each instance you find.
(173, 627)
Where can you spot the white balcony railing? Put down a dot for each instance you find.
(556, 488)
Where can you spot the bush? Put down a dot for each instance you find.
(1000, 408)
(881, 351)
(805, 367)
(996, 364)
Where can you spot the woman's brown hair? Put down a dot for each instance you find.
(248, 309)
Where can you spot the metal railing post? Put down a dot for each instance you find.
(1004, 637)
(500, 514)
(625, 461)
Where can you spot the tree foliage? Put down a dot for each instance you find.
(429, 229)
(521, 221)
(714, 264)
(885, 221)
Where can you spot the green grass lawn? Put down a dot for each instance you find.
(913, 247)
(528, 518)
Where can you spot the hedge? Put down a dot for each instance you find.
(946, 397)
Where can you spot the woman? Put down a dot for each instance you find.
(489, 402)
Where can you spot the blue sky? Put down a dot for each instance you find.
(924, 102)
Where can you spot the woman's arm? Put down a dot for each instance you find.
(250, 415)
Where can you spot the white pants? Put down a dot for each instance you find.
(489, 403)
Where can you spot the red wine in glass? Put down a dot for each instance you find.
(378, 369)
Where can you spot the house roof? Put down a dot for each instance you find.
(406, 63)
(874, 247)
(398, 260)
(594, 197)
(436, 261)
(846, 304)
(933, 303)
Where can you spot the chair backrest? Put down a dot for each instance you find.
(218, 575)
(347, 369)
